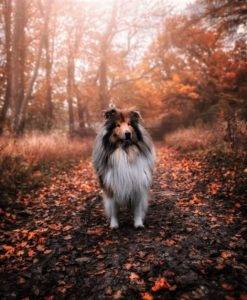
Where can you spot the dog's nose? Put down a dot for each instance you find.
(127, 135)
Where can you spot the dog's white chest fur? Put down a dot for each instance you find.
(128, 175)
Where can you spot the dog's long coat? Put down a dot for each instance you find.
(123, 157)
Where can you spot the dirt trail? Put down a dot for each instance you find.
(191, 248)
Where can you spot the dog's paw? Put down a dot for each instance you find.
(114, 224)
(138, 224)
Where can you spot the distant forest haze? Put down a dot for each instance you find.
(63, 62)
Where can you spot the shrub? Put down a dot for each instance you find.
(28, 161)
(195, 138)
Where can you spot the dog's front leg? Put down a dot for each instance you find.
(111, 210)
(140, 207)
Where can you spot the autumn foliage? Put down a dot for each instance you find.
(76, 57)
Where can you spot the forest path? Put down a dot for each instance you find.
(191, 248)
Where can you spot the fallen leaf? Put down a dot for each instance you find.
(49, 297)
(56, 227)
(82, 259)
(169, 243)
(40, 248)
(227, 286)
(108, 290)
(127, 266)
(9, 249)
(159, 284)
(68, 227)
(21, 280)
(117, 294)
(147, 296)
(31, 234)
(226, 254)
(30, 252)
(41, 240)
(134, 276)
(95, 231)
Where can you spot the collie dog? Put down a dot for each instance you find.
(123, 158)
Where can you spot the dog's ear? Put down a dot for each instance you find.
(110, 113)
(135, 115)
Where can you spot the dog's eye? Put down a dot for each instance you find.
(117, 125)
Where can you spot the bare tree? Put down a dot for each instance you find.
(18, 62)
(19, 120)
(72, 49)
(70, 84)
(104, 48)
(7, 31)
(48, 111)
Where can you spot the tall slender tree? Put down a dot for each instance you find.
(18, 62)
(105, 44)
(7, 4)
(48, 109)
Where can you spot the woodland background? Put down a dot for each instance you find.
(63, 62)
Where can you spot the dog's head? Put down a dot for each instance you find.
(123, 126)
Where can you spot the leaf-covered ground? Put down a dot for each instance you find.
(192, 247)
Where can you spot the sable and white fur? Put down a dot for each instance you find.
(124, 166)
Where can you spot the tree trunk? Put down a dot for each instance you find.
(73, 45)
(20, 119)
(7, 30)
(232, 128)
(48, 110)
(81, 115)
(70, 85)
(105, 45)
(103, 95)
(18, 62)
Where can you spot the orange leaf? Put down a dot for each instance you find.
(227, 286)
(226, 254)
(117, 295)
(95, 231)
(68, 227)
(40, 248)
(147, 296)
(49, 297)
(169, 243)
(159, 284)
(9, 249)
(128, 266)
(30, 252)
(41, 240)
(31, 234)
(133, 276)
(214, 187)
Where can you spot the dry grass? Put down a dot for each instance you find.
(195, 138)
(26, 162)
(36, 149)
